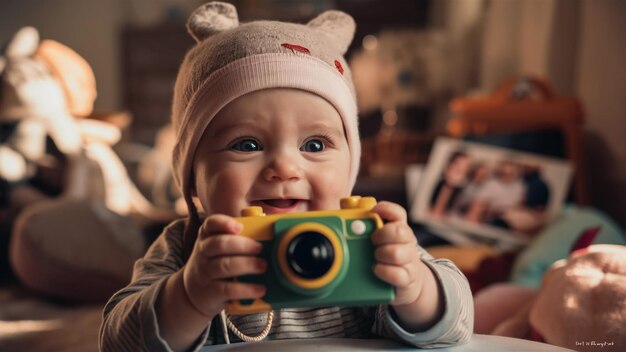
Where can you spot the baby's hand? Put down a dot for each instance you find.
(219, 255)
(397, 255)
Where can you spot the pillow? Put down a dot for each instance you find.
(76, 250)
(556, 240)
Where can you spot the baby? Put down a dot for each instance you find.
(265, 115)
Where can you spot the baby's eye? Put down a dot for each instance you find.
(246, 145)
(313, 146)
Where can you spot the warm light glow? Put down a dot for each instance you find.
(20, 327)
(12, 165)
(370, 42)
(571, 302)
(99, 131)
(118, 197)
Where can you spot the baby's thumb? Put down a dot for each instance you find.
(219, 224)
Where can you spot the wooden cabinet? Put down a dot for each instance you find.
(150, 61)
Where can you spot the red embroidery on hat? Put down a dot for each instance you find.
(295, 48)
(339, 67)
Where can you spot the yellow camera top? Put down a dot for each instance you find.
(258, 225)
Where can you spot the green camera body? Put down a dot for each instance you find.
(318, 258)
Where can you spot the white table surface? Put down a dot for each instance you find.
(478, 343)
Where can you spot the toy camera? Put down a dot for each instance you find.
(317, 258)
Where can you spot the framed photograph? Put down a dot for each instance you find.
(471, 190)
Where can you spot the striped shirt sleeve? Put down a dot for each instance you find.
(456, 325)
(129, 317)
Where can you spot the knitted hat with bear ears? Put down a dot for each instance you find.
(232, 59)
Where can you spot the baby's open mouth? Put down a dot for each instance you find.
(273, 206)
(280, 203)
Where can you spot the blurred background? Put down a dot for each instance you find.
(431, 51)
(417, 65)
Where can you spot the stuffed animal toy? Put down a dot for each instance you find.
(581, 304)
(80, 243)
(34, 102)
(37, 133)
(47, 89)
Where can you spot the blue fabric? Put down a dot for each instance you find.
(556, 240)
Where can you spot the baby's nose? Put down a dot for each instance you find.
(283, 167)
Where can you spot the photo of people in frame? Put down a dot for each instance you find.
(490, 191)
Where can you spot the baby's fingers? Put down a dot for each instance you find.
(394, 254)
(390, 211)
(219, 224)
(227, 267)
(394, 232)
(397, 276)
(228, 245)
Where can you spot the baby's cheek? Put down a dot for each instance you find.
(226, 193)
(330, 186)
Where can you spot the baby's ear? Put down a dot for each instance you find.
(339, 25)
(211, 18)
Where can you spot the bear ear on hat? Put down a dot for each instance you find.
(339, 25)
(211, 18)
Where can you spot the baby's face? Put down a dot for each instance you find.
(282, 149)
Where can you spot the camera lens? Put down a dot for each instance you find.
(310, 255)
